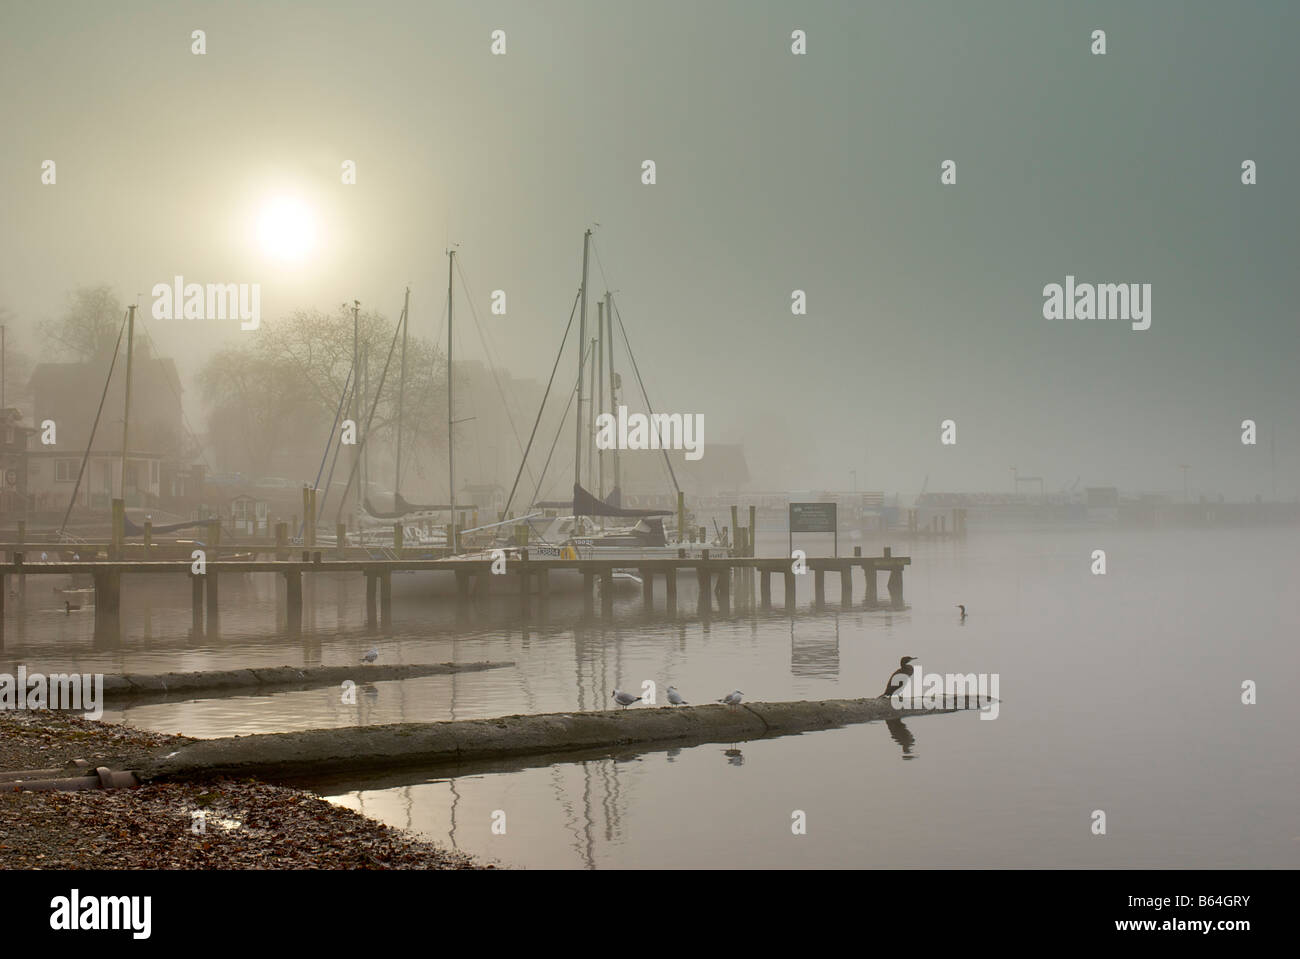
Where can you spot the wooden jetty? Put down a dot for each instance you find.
(714, 576)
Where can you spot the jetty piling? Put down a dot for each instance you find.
(716, 576)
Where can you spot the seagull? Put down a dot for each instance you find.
(732, 698)
(899, 676)
(624, 699)
(371, 656)
(675, 697)
(963, 612)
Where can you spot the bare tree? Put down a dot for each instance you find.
(89, 325)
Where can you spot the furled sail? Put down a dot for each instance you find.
(134, 530)
(406, 507)
(585, 504)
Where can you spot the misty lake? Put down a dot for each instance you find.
(1120, 693)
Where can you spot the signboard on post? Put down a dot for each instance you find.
(814, 518)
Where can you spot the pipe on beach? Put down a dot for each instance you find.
(355, 748)
(129, 686)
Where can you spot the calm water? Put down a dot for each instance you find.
(1120, 693)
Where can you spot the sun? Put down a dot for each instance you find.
(286, 229)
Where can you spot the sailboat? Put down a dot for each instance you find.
(583, 532)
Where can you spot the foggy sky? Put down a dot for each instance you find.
(775, 172)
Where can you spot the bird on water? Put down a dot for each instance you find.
(624, 699)
(899, 676)
(675, 697)
(732, 698)
(371, 655)
(963, 612)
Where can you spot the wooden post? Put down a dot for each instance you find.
(293, 599)
(210, 586)
(119, 528)
(451, 537)
(819, 587)
(386, 600)
(681, 517)
(311, 515)
(735, 531)
(281, 541)
(108, 599)
(705, 580)
(846, 586)
(671, 591)
(214, 539)
(648, 588)
(607, 591)
(306, 516)
(896, 587)
(870, 569)
(22, 577)
(372, 617)
(196, 603)
(751, 536)
(789, 589)
(148, 537)
(765, 587)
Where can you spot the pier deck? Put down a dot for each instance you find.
(531, 577)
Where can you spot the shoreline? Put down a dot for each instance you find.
(241, 824)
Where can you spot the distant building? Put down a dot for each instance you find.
(52, 476)
(14, 441)
(248, 513)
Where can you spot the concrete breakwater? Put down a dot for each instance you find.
(130, 686)
(358, 748)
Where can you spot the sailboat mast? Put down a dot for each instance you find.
(401, 397)
(613, 409)
(451, 438)
(126, 412)
(582, 345)
(591, 415)
(356, 385)
(600, 385)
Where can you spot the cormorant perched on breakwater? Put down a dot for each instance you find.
(899, 676)
(963, 612)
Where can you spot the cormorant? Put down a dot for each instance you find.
(899, 676)
(963, 612)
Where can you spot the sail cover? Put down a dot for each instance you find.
(133, 530)
(405, 507)
(585, 504)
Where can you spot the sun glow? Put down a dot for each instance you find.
(286, 229)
